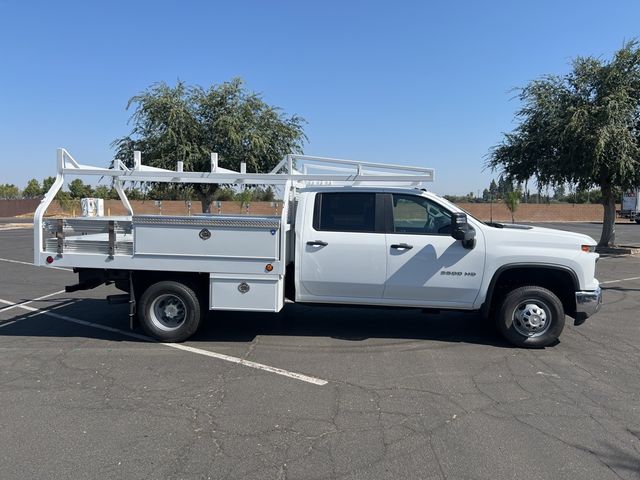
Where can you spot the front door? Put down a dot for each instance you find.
(343, 255)
(426, 266)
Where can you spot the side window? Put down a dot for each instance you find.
(419, 215)
(345, 212)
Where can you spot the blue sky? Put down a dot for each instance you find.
(417, 83)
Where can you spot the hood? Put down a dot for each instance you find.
(528, 233)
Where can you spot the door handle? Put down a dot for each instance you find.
(402, 246)
(317, 243)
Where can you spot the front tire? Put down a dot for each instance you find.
(169, 311)
(531, 316)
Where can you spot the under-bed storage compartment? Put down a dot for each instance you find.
(253, 293)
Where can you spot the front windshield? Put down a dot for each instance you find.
(451, 204)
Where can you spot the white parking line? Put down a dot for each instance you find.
(31, 264)
(15, 226)
(4, 309)
(621, 280)
(177, 346)
(248, 363)
(35, 314)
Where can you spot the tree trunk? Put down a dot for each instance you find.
(205, 192)
(608, 236)
(205, 201)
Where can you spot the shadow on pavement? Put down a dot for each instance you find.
(621, 289)
(619, 460)
(350, 323)
(344, 323)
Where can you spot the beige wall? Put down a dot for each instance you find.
(531, 212)
(169, 207)
(525, 213)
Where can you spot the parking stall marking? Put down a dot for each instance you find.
(249, 363)
(621, 280)
(7, 227)
(220, 356)
(10, 307)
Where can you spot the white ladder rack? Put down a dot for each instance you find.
(292, 172)
(296, 168)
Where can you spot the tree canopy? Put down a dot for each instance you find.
(188, 123)
(78, 189)
(9, 191)
(32, 190)
(582, 128)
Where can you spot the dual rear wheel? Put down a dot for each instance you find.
(170, 311)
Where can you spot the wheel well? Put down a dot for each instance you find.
(561, 282)
(142, 279)
(290, 282)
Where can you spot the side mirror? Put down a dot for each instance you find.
(462, 231)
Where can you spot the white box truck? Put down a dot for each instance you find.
(92, 207)
(349, 232)
(630, 206)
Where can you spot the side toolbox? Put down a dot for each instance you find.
(261, 293)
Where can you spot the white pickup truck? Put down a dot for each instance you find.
(349, 233)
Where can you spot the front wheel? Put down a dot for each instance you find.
(169, 311)
(531, 316)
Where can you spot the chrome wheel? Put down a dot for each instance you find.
(531, 318)
(167, 312)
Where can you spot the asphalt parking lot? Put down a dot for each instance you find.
(347, 393)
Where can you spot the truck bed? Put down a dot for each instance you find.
(155, 241)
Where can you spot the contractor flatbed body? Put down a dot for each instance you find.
(348, 232)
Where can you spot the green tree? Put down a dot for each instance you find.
(102, 191)
(560, 192)
(224, 194)
(184, 123)
(63, 197)
(582, 128)
(9, 192)
(47, 183)
(493, 190)
(79, 189)
(244, 197)
(512, 201)
(32, 190)
(505, 185)
(268, 195)
(134, 194)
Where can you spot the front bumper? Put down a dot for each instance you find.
(587, 303)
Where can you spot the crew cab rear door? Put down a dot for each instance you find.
(342, 255)
(426, 266)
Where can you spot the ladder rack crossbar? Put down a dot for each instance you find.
(359, 163)
(337, 170)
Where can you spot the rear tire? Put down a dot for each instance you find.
(169, 311)
(531, 317)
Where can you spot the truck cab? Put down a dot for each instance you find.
(411, 248)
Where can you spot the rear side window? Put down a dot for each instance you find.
(345, 212)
